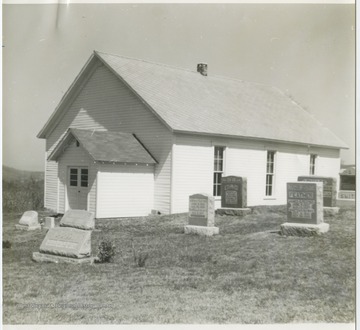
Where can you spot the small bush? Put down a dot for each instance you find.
(6, 245)
(106, 251)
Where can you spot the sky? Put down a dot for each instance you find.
(306, 50)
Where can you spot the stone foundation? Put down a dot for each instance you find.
(303, 229)
(233, 211)
(44, 257)
(201, 230)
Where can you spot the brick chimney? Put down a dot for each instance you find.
(202, 68)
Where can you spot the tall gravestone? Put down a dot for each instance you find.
(329, 188)
(304, 209)
(29, 221)
(233, 196)
(347, 190)
(233, 192)
(201, 215)
(71, 242)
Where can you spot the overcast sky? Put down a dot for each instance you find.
(307, 50)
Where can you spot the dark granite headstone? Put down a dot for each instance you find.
(233, 192)
(305, 202)
(347, 182)
(201, 210)
(329, 186)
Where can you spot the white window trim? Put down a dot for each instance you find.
(273, 194)
(310, 164)
(223, 169)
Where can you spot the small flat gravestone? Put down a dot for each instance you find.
(233, 196)
(201, 215)
(29, 221)
(70, 244)
(80, 219)
(304, 209)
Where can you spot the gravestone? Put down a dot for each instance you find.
(49, 222)
(351, 195)
(233, 192)
(233, 196)
(69, 243)
(80, 219)
(29, 221)
(305, 203)
(65, 244)
(329, 188)
(201, 215)
(305, 215)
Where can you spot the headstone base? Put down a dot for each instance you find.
(303, 229)
(233, 211)
(330, 211)
(27, 228)
(345, 202)
(44, 257)
(201, 230)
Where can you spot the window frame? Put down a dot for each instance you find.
(312, 167)
(218, 169)
(270, 173)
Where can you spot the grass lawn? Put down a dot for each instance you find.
(247, 274)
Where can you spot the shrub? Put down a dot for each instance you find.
(6, 245)
(106, 251)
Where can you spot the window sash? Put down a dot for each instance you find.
(270, 173)
(218, 169)
(312, 164)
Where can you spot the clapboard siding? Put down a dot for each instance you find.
(51, 186)
(76, 156)
(125, 190)
(192, 173)
(194, 159)
(251, 164)
(105, 103)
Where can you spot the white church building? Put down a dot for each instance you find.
(131, 136)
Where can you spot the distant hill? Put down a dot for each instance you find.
(11, 174)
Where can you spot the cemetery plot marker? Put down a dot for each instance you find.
(304, 209)
(69, 243)
(233, 196)
(201, 215)
(29, 221)
(78, 219)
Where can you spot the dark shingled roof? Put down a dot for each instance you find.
(104, 146)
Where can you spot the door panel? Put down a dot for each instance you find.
(77, 187)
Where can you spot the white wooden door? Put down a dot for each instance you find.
(77, 187)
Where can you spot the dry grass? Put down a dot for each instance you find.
(247, 274)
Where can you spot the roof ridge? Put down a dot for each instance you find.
(146, 61)
(188, 70)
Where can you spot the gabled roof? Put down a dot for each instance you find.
(186, 101)
(114, 147)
